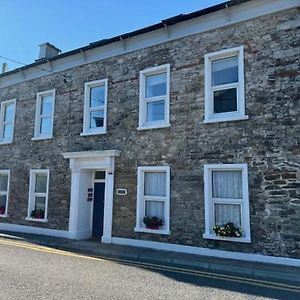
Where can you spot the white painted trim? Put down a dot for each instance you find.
(207, 251)
(140, 206)
(6, 172)
(2, 116)
(34, 230)
(219, 19)
(87, 109)
(143, 124)
(36, 220)
(91, 154)
(37, 134)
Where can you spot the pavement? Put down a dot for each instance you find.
(251, 270)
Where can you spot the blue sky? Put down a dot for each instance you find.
(70, 24)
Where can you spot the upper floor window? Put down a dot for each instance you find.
(4, 191)
(7, 121)
(224, 86)
(95, 107)
(44, 115)
(154, 97)
(227, 201)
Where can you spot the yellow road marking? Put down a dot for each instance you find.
(257, 282)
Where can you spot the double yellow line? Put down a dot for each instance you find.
(252, 281)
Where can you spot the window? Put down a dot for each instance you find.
(154, 97)
(224, 86)
(95, 107)
(226, 199)
(153, 198)
(38, 195)
(7, 121)
(44, 115)
(4, 192)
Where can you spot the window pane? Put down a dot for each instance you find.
(155, 184)
(3, 182)
(156, 111)
(99, 175)
(97, 119)
(154, 209)
(97, 96)
(41, 183)
(9, 113)
(225, 100)
(156, 85)
(45, 127)
(8, 132)
(227, 184)
(46, 105)
(225, 71)
(40, 203)
(227, 213)
(2, 204)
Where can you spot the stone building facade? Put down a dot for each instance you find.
(262, 141)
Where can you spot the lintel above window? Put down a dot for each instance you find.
(224, 86)
(154, 95)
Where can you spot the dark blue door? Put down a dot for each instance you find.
(98, 209)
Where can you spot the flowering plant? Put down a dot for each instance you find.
(228, 229)
(153, 222)
(2, 210)
(37, 214)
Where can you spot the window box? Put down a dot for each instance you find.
(224, 86)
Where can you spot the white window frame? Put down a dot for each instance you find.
(39, 96)
(2, 123)
(140, 205)
(209, 202)
(87, 109)
(210, 116)
(143, 124)
(33, 194)
(6, 172)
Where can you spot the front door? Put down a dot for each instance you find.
(98, 209)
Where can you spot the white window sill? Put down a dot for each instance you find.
(87, 133)
(6, 142)
(226, 239)
(154, 126)
(156, 231)
(216, 119)
(37, 220)
(4, 215)
(41, 138)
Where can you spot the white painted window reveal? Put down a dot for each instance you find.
(4, 192)
(95, 107)
(224, 85)
(226, 199)
(38, 195)
(153, 197)
(7, 121)
(154, 103)
(44, 115)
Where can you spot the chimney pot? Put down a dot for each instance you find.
(4, 68)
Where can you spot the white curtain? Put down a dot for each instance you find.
(225, 213)
(154, 209)
(227, 184)
(155, 184)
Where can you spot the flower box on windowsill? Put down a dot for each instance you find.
(153, 223)
(37, 214)
(2, 210)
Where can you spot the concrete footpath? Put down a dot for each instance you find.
(269, 272)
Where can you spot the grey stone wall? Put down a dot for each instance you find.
(269, 142)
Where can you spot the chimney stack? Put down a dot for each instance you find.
(48, 50)
(4, 68)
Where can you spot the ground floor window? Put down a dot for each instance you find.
(4, 191)
(38, 195)
(226, 202)
(153, 200)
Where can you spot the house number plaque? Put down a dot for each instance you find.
(90, 194)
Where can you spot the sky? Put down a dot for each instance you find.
(70, 24)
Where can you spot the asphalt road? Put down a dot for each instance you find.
(28, 271)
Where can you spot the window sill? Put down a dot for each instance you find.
(226, 239)
(4, 216)
(6, 142)
(87, 133)
(41, 138)
(226, 118)
(155, 231)
(154, 126)
(36, 220)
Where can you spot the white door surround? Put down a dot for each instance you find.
(83, 165)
